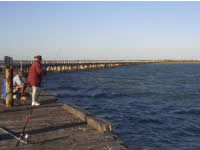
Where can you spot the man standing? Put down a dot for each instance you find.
(34, 79)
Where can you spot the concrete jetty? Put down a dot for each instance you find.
(52, 126)
(57, 126)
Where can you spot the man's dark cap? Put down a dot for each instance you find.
(38, 57)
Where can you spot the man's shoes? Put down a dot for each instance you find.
(35, 104)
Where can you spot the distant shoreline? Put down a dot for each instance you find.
(178, 62)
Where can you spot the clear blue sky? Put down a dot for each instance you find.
(100, 30)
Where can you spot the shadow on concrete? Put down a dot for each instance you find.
(42, 130)
(49, 140)
(25, 107)
(49, 129)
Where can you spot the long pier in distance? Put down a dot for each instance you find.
(75, 65)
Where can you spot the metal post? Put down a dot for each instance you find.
(21, 66)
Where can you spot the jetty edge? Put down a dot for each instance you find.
(97, 123)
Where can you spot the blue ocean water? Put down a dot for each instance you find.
(150, 105)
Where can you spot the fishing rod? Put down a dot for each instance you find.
(14, 136)
(24, 136)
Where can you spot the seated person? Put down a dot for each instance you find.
(18, 83)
